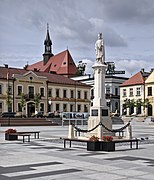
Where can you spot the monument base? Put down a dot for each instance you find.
(97, 115)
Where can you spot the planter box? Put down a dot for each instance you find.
(93, 146)
(11, 137)
(107, 146)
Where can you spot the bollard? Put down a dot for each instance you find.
(71, 132)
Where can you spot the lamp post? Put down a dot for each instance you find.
(8, 95)
(49, 102)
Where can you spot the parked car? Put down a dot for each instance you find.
(40, 114)
(8, 114)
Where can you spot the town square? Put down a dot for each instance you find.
(76, 104)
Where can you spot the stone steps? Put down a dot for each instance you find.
(25, 122)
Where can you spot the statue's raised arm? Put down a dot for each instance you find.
(100, 51)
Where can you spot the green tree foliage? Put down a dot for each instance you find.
(146, 103)
(8, 99)
(22, 100)
(37, 99)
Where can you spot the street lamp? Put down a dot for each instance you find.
(49, 102)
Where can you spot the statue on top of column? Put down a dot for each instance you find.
(100, 51)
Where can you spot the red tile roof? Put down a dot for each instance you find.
(134, 80)
(52, 78)
(61, 63)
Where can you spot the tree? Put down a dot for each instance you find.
(81, 68)
(129, 104)
(146, 103)
(132, 103)
(138, 105)
(22, 101)
(37, 99)
(8, 100)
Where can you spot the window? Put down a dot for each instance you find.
(10, 89)
(19, 107)
(116, 91)
(57, 92)
(79, 94)
(79, 108)
(64, 93)
(57, 107)
(0, 89)
(130, 91)
(124, 92)
(0, 105)
(85, 108)
(31, 92)
(107, 90)
(72, 94)
(50, 92)
(85, 95)
(71, 107)
(19, 90)
(50, 107)
(92, 93)
(42, 92)
(41, 106)
(116, 106)
(149, 91)
(138, 91)
(65, 107)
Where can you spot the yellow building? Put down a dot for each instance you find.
(58, 93)
(132, 95)
(149, 93)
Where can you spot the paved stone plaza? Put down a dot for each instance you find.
(45, 158)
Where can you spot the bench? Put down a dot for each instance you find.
(36, 133)
(115, 141)
(23, 136)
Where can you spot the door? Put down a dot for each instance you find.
(30, 109)
(150, 110)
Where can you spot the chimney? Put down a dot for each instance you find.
(142, 70)
(152, 69)
(6, 65)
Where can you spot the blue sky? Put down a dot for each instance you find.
(127, 27)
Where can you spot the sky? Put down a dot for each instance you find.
(127, 27)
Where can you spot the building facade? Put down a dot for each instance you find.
(133, 99)
(149, 93)
(56, 93)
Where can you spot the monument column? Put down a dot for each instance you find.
(99, 112)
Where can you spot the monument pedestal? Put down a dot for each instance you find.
(99, 112)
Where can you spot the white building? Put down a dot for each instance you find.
(112, 89)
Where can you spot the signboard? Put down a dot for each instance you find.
(111, 69)
(115, 72)
(74, 115)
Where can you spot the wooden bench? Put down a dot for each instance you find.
(23, 136)
(36, 133)
(115, 141)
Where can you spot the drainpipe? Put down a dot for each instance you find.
(13, 94)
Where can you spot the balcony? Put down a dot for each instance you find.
(29, 96)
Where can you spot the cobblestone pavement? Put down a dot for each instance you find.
(45, 158)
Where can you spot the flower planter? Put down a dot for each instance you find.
(108, 146)
(11, 137)
(93, 146)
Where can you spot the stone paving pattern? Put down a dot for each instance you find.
(45, 158)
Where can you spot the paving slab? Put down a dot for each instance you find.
(45, 158)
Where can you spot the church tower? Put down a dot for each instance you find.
(48, 47)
